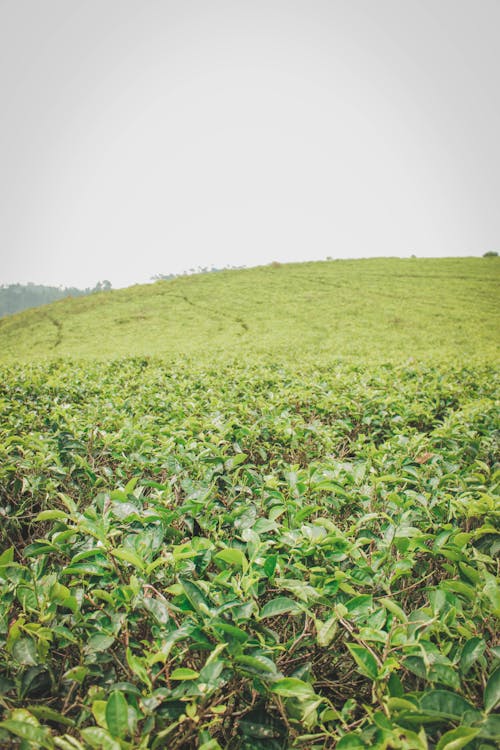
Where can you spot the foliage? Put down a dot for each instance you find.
(248, 556)
(17, 297)
(376, 310)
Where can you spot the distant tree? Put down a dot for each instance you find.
(17, 297)
(102, 286)
(490, 254)
(163, 276)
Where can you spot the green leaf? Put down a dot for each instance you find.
(76, 674)
(258, 665)
(24, 652)
(395, 686)
(117, 714)
(447, 704)
(470, 573)
(444, 675)
(58, 592)
(416, 665)
(48, 714)
(52, 515)
(325, 631)
(184, 673)
(210, 745)
(158, 608)
(129, 556)
(492, 591)
(298, 588)
(27, 731)
(232, 631)
(196, 597)
(291, 687)
(270, 565)
(61, 595)
(214, 656)
(492, 691)
(84, 569)
(27, 598)
(66, 742)
(7, 557)
(399, 705)
(394, 609)
(137, 666)
(98, 643)
(130, 486)
(304, 709)
(459, 587)
(350, 741)
(473, 649)
(490, 727)
(99, 712)
(235, 461)
(100, 739)
(279, 606)
(457, 738)
(366, 662)
(234, 557)
(6, 685)
(34, 681)
(359, 607)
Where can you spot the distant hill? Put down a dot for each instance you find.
(365, 310)
(17, 297)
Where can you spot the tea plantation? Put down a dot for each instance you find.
(262, 549)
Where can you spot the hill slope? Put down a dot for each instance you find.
(384, 309)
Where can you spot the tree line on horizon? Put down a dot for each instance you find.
(17, 297)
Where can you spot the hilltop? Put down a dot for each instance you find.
(374, 309)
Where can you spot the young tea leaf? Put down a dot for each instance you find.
(325, 631)
(492, 691)
(117, 714)
(184, 673)
(455, 739)
(473, 649)
(233, 557)
(279, 606)
(291, 687)
(196, 596)
(366, 662)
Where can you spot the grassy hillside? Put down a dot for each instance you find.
(384, 309)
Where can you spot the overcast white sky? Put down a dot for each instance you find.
(147, 136)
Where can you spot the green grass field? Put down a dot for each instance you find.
(254, 510)
(381, 310)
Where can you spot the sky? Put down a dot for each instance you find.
(143, 137)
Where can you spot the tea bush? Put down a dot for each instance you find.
(249, 556)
